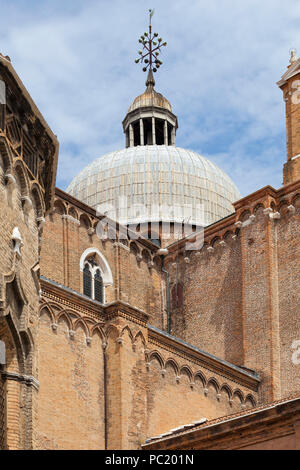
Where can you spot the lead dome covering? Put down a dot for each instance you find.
(156, 183)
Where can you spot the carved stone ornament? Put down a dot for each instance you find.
(18, 242)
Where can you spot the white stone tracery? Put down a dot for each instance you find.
(100, 264)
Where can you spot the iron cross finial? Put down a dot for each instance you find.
(152, 45)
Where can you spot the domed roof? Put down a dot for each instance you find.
(156, 183)
(150, 98)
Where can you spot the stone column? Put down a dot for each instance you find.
(153, 132)
(173, 136)
(166, 133)
(131, 136)
(141, 132)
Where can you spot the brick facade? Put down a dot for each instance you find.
(28, 159)
(210, 332)
(117, 379)
(2, 412)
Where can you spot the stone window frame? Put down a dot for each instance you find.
(94, 269)
(100, 264)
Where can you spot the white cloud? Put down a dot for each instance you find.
(220, 69)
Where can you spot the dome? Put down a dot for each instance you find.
(156, 183)
(150, 98)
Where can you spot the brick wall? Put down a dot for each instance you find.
(288, 235)
(119, 390)
(240, 291)
(71, 395)
(210, 316)
(2, 412)
(135, 269)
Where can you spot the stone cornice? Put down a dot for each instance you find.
(201, 358)
(88, 307)
(71, 298)
(125, 310)
(141, 112)
(26, 379)
(267, 193)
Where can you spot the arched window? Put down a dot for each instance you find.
(87, 280)
(92, 281)
(98, 286)
(96, 274)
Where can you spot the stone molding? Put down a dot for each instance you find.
(201, 358)
(25, 379)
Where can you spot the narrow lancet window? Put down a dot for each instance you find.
(98, 286)
(87, 281)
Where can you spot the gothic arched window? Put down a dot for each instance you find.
(93, 286)
(87, 281)
(96, 274)
(98, 286)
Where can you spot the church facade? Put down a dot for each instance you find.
(115, 336)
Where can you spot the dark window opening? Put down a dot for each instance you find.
(87, 281)
(98, 283)
(169, 134)
(136, 133)
(159, 131)
(148, 131)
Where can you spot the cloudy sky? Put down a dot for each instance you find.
(223, 59)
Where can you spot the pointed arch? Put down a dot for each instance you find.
(59, 207)
(239, 394)
(73, 212)
(140, 336)
(103, 263)
(85, 221)
(249, 398)
(21, 177)
(214, 383)
(215, 241)
(226, 389)
(38, 200)
(227, 235)
(5, 154)
(128, 330)
(156, 356)
(146, 256)
(173, 365)
(46, 310)
(296, 200)
(245, 215)
(134, 248)
(258, 207)
(97, 329)
(112, 332)
(201, 377)
(63, 316)
(185, 370)
(81, 323)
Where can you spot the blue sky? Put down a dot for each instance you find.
(223, 60)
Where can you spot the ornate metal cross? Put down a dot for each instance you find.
(152, 45)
